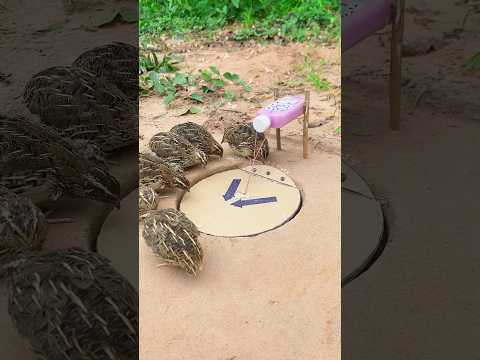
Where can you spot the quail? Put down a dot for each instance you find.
(72, 304)
(175, 149)
(116, 62)
(83, 106)
(246, 142)
(161, 175)
(173, 237)
(199, 137)
(37, 162)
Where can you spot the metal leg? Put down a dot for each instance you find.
(396, 63)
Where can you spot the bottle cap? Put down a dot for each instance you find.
(261, 123)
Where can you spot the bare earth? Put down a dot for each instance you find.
(272, 296)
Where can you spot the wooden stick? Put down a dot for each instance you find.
(306, 116)
(277, 131)
(396, 64)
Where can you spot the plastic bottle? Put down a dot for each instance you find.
(279, 113)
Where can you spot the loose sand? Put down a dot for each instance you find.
(272, 296)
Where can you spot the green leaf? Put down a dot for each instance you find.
(218, 83)
(196, 97)
(169, 98)
(166, 65)
(129, 14)
(206, 89)
(215, 70)
(206, 75)
(229, 95)
(188, 110)
(474, 62)
(245, 86)
(236, 3)
(231, 76)
(180, 79)
(105, 19)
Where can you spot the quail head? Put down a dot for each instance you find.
(147, 200)
(246, 142)
(161, 175)
(23, 226)
(199, 137)
(175, 149)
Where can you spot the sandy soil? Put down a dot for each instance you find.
(271, 296)
(436, 146)
(29, 43)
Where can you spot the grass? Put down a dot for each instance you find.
(293, 20)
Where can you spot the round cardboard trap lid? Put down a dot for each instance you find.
(362, 225)
(242, 202)
(118, 239)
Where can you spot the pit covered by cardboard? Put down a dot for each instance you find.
(242, 202)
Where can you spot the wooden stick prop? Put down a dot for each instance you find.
(306, 116)
(277, 131)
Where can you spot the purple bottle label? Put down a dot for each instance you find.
(281, 105)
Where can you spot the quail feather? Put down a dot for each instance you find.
(83, 106)
(23, 226)
(37, 162)
(199, 137)
(72, 304)
(173, 237)
(175, 149)
(147, 200)
(161, 175)
(246, 142)
(116, 62)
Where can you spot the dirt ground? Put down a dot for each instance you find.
(272, 296)
(435, 147)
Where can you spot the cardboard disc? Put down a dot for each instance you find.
(362, 225)
(242, 202)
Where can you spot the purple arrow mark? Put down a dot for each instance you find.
(232, 189)
(241, 203)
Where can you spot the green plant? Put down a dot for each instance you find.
(474, 62)
(163, 78)
(297, 20)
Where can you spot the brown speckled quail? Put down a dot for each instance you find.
(116, 62)
(83, 106)
(173, 237)
(161, 175)
(175, 149)
(72, 304)
(38, 163)
(199, 137)
(23, 226)
(147, 200)
(245, 141)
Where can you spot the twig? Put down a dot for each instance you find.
(419, 97)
